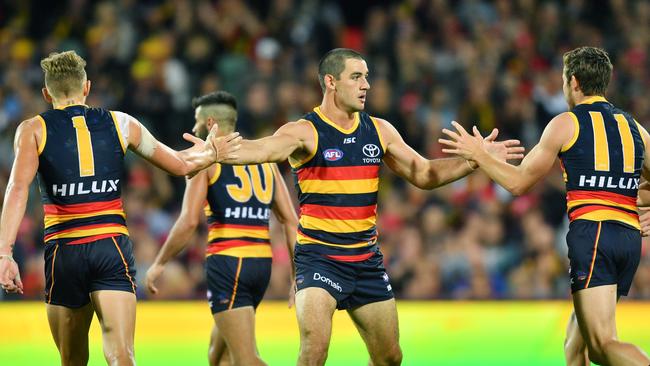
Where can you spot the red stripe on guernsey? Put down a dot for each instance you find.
(77, 228)
(350, 258)
(584, 210)
(338, 173)
(600, 195)
(228, 244)
(234, 226)
(82, 208)
(88, 239)
(338, 212)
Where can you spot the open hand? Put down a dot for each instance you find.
(224, 147)
(468, 146)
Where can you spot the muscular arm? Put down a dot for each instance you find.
(185, 162)
(179, 237)
(285, 213)
(294, 139)
(421, 172)
(22, 173)
(519, 179)
(196, 190)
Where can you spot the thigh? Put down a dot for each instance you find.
(237, 327)
(377, 323)
(112, 264)
(66, 275)
(116, 313)
(595, 310)
(70, 326)
(314, 309)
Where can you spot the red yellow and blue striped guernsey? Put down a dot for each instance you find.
(602, 164)
(80, 172)
(238, 211)
(337, 188)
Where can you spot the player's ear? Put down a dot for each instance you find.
(86, 88)
(575, 85)
(46, 95)
(329, 81)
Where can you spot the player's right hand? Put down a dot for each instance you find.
(224, 146)
(9, 275)
(152, 275)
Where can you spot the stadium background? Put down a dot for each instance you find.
(490, 63)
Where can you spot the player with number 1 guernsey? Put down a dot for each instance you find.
(78, 152)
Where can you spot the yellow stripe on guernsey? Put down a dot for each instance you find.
(351, 186)
(576, 133)
(601, 151)
(221, 233)
(607, 215)
(249, 251)
(82, 233)
(41, 145)
(51, 220)
(627, 142)
(573, 203)
(337, 226)
(302, 239)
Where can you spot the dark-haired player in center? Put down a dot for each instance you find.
(336, 152)
(238, 257)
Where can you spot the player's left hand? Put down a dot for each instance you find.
(152, 275)
(468, 146)
(644, 220)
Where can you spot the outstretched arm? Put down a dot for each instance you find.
(186, 162)
(516, 179)
(429, 174)
(196, 190)
(294, 140)
(286, 214)
(15, 200)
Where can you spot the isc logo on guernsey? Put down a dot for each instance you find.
(333, 154)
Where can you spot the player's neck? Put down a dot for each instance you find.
(64, 102)
(336, 114)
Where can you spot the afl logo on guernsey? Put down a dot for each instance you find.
(333, 154)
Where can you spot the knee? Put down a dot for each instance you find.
(313, 353)
(120, 355)
(596, 348)
(74, 358)
(389, 357)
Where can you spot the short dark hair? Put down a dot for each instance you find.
(591, 67)
(218, 97)
(333, 63)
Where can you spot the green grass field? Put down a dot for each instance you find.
(432, 333)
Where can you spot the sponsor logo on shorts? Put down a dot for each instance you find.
(581, 275)
(300, 279)
(334, 285)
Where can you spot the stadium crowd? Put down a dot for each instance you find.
(490, 63)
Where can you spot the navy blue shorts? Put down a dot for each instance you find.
(73, 271)
(352, 284)
(236, 282)
(603, 253)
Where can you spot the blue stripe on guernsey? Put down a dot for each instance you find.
(238, 208)
(80, 173)
(603, 165)
(337, 188)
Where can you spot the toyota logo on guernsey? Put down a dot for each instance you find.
(372, 152)
(333, 154)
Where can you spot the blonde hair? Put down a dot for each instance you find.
(64, 73)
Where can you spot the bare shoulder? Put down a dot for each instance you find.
(32, 127)
(301, 128)
(561, 132)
